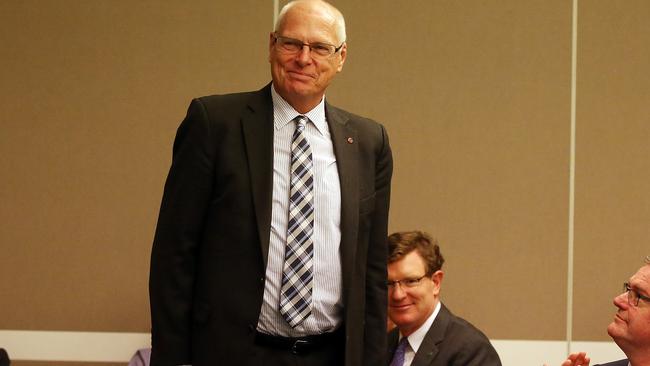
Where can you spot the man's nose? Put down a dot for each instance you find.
(620, 301)
(304, 56)
(397, 293)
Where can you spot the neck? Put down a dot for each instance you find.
(302, 104)
(640, 360)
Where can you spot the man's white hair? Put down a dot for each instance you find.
(339, 21)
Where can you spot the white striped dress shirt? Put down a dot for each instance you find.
(327, 300)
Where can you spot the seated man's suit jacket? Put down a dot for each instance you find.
(450, 341)
(624, 362)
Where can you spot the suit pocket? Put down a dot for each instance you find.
(367, 205)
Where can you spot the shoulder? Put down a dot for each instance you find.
(208, 116)
(235, 102)
(460, 330)
(346, 117)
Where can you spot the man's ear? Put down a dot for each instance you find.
(436, 278)
(271, 43)
(344, 53)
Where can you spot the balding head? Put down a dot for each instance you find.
(324, 10)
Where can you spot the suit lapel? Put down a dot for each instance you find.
(257, 130)
(429, 348)
(344, 140)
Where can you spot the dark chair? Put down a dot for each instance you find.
(4, 358)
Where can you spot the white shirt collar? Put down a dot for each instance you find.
(284, 113)
(416, 338)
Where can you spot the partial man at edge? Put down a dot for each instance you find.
(630, 328)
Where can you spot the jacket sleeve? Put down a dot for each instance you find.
(376, 297)
(178, 235)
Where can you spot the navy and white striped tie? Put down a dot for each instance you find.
(298, 272)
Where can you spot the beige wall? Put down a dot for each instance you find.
(613, 156)
(476, 97)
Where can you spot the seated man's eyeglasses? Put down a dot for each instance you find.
(318, 49)
(633, 296)
(405, 283)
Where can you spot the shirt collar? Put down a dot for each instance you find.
(416, 338)
(283, 113)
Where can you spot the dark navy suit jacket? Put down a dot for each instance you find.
(615, 363)
(451, 341)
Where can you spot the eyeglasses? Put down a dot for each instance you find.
(633, 296)
(317, 49)
(405, 283)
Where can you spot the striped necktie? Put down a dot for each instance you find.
(297, 272)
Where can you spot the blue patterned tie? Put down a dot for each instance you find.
(400, 352)
(297, 272)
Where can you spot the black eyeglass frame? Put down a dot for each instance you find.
(311, 46)
(631, 294)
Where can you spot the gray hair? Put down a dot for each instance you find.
(338, 17)
(647, 259)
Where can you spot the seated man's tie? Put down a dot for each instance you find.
(400, 352)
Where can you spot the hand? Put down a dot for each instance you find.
(577, 359)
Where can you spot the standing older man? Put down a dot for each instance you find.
(427, 333)
(270, 247)
(631, 326)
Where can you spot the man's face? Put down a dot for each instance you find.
(300, 78)
(409, 307)
(631, 326)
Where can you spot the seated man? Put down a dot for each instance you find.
(630, 328)
(427, 332)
